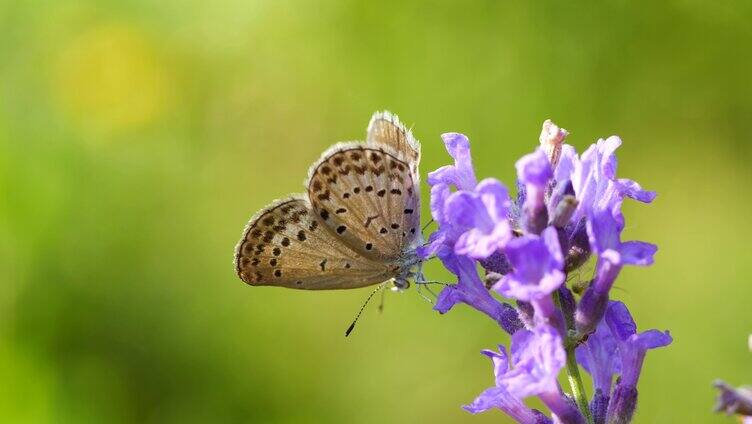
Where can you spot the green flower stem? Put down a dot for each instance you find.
(573, 371)
(575, 382)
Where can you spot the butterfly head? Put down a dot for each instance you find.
(410, 268)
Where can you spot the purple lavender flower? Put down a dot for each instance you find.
(594, 179)
(632, 346)
(567, 207)
(481, 217)
(594, 182)
(599, 407)
(537, 358)
(499, 397)
(471, 291)
(440, 242)
(568, 161)
(604, 228)
(472, 224)
(537, 265)
(732, 400)
(461, 175)
(534, 171)
(616, 348)
(735, 400)
(600, 358)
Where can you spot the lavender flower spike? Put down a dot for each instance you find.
(499, 397)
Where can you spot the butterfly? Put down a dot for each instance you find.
(358, 224)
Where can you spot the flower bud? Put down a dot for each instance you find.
(622, 405)
(567, 302)
(526, 314)
(496, 263)
(551, 138)
(541, 418)
(579, 246)
(599, 407)
(590, 311)
(564, 211)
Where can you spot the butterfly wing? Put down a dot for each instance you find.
(385, 129)
(367, 196)
(286, 245)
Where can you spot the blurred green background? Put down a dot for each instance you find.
(137, 137)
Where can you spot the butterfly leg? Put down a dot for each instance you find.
(427, 284)
(419, 290)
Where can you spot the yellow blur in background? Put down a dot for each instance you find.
(111, 78)
(137, 138)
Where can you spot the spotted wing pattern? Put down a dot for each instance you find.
(286, 245)
(366, 196)
(385, 129)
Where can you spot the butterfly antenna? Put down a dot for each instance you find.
(426, 226)
(352, 326)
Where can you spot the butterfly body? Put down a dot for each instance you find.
(357, 225)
